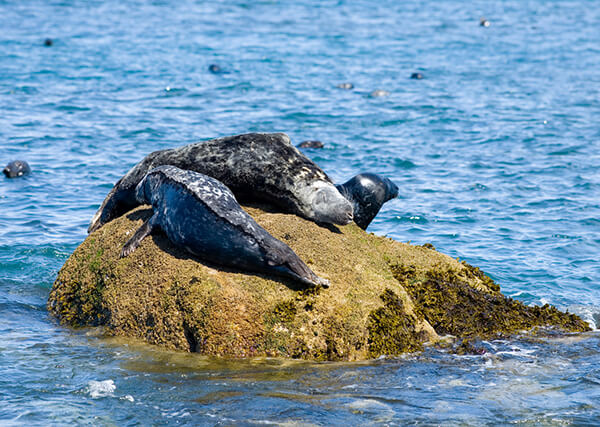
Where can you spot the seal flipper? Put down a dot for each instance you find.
(285, 260)
(145, 230)
(118, 201)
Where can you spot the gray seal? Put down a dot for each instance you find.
(256, 167)
(311, 144)
(215, 69)
(367, 192)
(201, 215)
(16, 168)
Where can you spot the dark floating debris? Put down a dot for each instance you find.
(311, 144)
(215, 69)
(347, 86)
(484, 22)
(48, 42)
(16, 169)
(417, 76)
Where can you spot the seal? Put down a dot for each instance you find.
(311, 144)
(379, 93)
(256, 167)
(367, 192)
(201, 215)
(16, 169)
(215, 69)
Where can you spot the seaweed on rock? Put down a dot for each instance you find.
(452, 306)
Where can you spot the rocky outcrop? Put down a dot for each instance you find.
(385, 297)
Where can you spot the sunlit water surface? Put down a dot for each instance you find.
(495, 151)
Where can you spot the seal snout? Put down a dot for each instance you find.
(343, 213)
(349, 217)
(392, 190)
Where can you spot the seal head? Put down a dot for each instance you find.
(311, 144)
(16, 168)
(200, 215)
(327, 205)
(367, 192)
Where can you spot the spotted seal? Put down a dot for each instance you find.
(256, 167)
(367, 192)
(16, 169)
(201, 215)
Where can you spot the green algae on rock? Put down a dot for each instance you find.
(385, 297)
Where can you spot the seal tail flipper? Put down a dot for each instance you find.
(295, 267)
(103, 213)
(145, 230)
(117, 202)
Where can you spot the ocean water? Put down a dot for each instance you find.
(495, 151)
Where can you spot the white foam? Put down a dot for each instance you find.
(98, 389)
(384, 412)
(589, 313)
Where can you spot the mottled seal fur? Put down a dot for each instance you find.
(202, 216)
(16, 169)
(367, 192)
(256, 167)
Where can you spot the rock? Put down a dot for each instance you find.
(384, 295)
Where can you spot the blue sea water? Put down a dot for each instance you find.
(495, 151)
